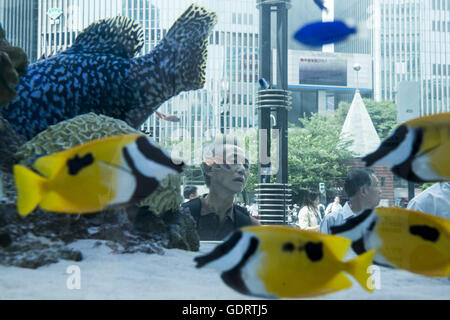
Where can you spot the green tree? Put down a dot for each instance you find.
(317, 153)
(383, 115)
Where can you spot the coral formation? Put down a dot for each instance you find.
(13, 64)
(70, 133)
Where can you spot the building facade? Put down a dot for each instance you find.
(318, 80)
(409, 41)
(20, 23)
(358, 13)
(415, 46)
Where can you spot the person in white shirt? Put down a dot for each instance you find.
(434, 200)
(309, 216)
(361, 186)
(334, 206)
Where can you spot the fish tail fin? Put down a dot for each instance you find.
(359, 269)
(30, 189)
(177, 64)
(190, 32)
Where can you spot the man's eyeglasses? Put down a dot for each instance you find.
(217, 161)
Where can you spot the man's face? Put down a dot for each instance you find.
(372, 194)
(233, 173)
(193, 196)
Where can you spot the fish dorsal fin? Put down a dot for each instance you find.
(118, 35)
(415, 217)
(434, 120)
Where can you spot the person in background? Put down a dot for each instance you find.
(295, 210)
(333, 206)
(189, 193)
(362, 188)
(225, 169)
(434, 200)
(309, 215)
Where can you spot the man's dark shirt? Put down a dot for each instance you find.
(210, 228)
(208, 222)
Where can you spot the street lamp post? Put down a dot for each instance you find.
(273, 197)
(357, 68)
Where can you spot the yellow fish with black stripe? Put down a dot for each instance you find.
(88, 178)
(286, 262)
(405, 239)
(418, 150)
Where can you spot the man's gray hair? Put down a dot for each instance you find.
(209, 151)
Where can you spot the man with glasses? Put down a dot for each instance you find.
(225, 168)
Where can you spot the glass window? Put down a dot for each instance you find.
(412, 48)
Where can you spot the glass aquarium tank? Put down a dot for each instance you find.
(170, 150)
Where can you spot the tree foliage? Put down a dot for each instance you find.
(383, 115)
(317, 154)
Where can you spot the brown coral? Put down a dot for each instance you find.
(13, 63)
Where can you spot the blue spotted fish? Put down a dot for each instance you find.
(99, 73)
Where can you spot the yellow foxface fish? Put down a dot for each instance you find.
(418, 150)
(405, 239)
(286, 262)
(92, 176)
